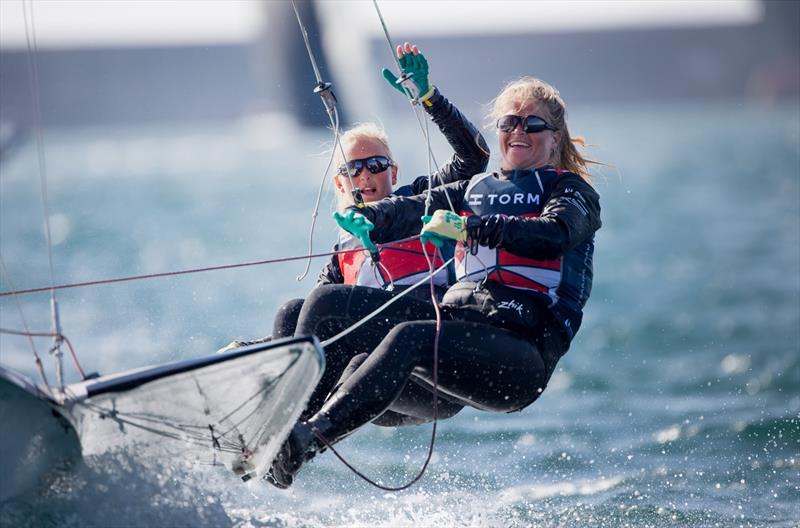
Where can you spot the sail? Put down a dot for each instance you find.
(232, 409)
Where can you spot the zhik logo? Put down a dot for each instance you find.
(510, 305)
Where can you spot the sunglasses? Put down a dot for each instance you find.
(374, 164)
(530, 124)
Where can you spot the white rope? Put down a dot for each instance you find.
(316, 204)
(385, 305)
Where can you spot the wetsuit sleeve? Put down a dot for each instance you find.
(471, 153)
(399, 217)
(331, 273)
(570, 216)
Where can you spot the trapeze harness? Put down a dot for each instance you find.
(562, 284)
(401, 264)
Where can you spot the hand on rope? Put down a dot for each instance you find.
(414, 70)
(486, 230)
(359, 226)
(442, 226)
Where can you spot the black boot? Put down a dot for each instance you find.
(301, 446)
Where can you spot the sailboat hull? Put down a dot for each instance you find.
(35, 436)
(231, 410)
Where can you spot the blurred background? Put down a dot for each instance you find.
(178, 135)
(132, 62)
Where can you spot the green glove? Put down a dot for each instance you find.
(417, 67)
(357, 224)
(441, 227)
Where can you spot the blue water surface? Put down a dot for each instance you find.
(677, 405)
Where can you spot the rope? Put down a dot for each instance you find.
(329, 102)
(369, 316)
(380, 309)
(37, 359)
(61, 337)
(196, 270)
(430, 263)
(316, 208)
(33, 71)
(420, 120)
(435, 389)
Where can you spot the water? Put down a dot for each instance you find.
(678, 404)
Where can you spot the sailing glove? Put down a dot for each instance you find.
(417, 67)
(356, 223)
(441, 227)
(486, 230)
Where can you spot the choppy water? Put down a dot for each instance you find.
(678, 404)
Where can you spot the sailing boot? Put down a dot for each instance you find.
(301, 446)
(342, 414)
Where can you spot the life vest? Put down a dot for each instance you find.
(523, 195)
(401, 264)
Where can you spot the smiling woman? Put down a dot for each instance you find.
(366, 174)
(532, 128)
(525, 243)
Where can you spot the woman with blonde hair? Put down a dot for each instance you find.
(370, 174)
(525, 241)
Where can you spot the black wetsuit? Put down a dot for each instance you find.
(471, 155)
(487, 359)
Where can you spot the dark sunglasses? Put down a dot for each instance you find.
(530, 124)
(374, 164)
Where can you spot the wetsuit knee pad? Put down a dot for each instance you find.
(286, 318)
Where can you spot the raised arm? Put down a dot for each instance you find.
(471, 153)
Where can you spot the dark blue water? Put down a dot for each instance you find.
(678, 404)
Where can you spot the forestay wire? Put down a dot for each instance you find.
(33, 71)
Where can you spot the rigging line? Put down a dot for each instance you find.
(316, 208)
(37, 359)
(386, 32)
(354, 192)
(199, 270)
(423, 123)
(166, 431)
(61, 337)
(385, 305)
(308, 46)
(33, 71)
(423, 127)
(329, 102)
(435, 407)
(267, 387)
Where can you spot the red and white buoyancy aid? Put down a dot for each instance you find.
(524, 195)
(401, 264)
